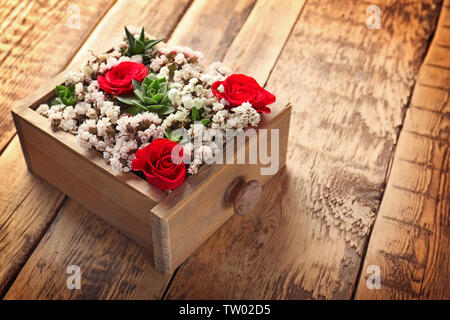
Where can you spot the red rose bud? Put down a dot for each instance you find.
(239, 88)
(117, 81)
(155, 161)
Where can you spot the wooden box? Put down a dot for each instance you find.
(172, 226)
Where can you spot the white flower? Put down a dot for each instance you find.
(188, 102)
(82, 107)
(158, 62)
(73, 77)
(69, 113)
(79, 90)
(110, 110)
(68, 125)
(43, 110)
(180, 58)
(163, 73)
(102, 126)
(217, 106)
(246, 115)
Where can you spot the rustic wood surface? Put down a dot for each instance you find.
(36, 44)
(349, 86)
(411, 237)
(30, 55)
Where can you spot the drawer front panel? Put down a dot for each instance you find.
(100, 192)
(188, 216)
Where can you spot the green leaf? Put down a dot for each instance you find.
(168, 110)
(131, 42)
(134, 110)
(152, 43)
(170, 135)
(158, 97)
(56, 101)
(164, 88)
(140, 105)
(149, 101)
(155, 85)
(61, 91)
(195, 114)
(165, 100)
(139, 95)
(142, 36)
(205, 122)
(156, 107)
(136, 85)
(147, 81)
(69, 101)
(139, 48)
(66, 95)
(128, 100)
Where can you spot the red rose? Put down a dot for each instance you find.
(155, 161)
(117, 81)
(239, 88)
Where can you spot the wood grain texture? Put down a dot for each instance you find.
(28, 205)
(112, 266)
(121, 11)
(256, 47)
(35, 44)
(410, 242)
(210, 26)
(159, 18)
(24, 214)
(349, 86)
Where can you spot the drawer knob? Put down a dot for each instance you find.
(243, 196)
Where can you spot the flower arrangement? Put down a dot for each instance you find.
(129, 103)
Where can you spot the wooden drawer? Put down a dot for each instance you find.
(171, 226)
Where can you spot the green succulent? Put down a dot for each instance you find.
(150, 95)
(139, 46)
(196, 115)
(65, 95)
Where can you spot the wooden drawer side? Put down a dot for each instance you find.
(190, 214)
(103, 194)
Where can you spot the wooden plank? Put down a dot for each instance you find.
(169, 11)
(210, 26)
(35, 44)
(435, 76)
(262, 40)
(348, 85)
(437, 56)
(25, 215)
(28, 205)
(410, 242)
(112, 266)
(159, 18)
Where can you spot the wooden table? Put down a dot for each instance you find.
(369, 141)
